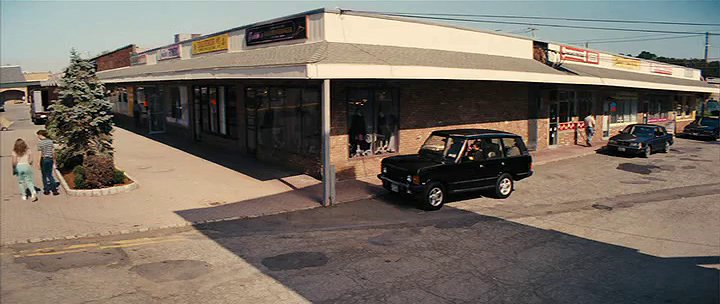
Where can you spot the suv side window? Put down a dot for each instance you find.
(511, 146)
(491, 148)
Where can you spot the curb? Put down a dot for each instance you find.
(97, 192)
(178, 225)
(539, 163)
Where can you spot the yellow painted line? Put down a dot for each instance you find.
(85, 247)
(82, 246)
(137, 244)
(48, 253)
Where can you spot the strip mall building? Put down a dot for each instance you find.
(258, 89)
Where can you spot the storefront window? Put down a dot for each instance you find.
(372, 122)
(286, 119)
(621, 111)
(584, 104)
(215, 109)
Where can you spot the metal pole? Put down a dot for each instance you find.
(707, 46)
(328, 176)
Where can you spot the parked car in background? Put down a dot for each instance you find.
(2, 106)
(39, 104)
(641, 139)
(706, 127)
(453, 161)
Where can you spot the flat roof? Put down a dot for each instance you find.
(591, 71)
(336, 53)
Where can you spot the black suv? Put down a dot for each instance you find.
(454, 161)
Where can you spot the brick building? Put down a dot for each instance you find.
(387, 83)
(115, 59)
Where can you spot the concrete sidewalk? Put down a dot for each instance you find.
(176, 189)
(180, 185)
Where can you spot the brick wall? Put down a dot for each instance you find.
(114, 60)
(426, 106)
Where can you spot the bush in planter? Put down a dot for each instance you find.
(119, 177)
(79, 173)
(99, 171)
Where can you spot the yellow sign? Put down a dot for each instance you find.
(626, 63)
(212, 44)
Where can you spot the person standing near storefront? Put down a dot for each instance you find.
(47, 162)
(589, 128)
(137, 111)
(22, 168)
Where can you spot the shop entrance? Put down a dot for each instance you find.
(156, 112)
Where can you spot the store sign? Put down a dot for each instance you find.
(169, 52)
(661, 68)
(279, 31)
(211, 44)
(626, 63)
(138, 59)
(579, 55)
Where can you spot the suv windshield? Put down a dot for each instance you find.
(709, 122)
(640, 131)
(442, 146)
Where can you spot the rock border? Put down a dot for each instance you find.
(97, 192)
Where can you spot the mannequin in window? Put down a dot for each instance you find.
(384, 132)
(357, 133)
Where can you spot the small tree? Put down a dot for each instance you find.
(81, 119)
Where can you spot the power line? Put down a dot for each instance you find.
(624, 37)
(634, 40)
(541, 24)
(560, 18)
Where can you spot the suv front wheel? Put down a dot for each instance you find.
(504, 186)
(434, 197)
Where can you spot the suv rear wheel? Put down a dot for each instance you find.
(504, 186)
(434, 197)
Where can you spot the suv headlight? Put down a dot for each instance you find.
(409, 179)
(635, 144)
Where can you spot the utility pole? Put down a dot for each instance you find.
(707, 46)
(587, 45)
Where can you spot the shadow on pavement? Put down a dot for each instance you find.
(386, 250)
(227, 158)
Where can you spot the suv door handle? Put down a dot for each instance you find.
(482, 166)
(502, 163)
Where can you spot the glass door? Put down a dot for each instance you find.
(156, 111)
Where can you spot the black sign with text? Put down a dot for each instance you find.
(279, 31)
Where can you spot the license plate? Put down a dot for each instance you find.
(394, 188)
(621, 149)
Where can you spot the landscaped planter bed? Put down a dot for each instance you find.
(67, 180)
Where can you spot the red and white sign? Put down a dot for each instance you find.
(579, 55)
(664, 119)
(661, 68)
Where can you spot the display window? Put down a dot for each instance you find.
(373, 123)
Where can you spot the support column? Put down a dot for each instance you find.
(328, 169)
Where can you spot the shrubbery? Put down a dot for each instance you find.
(99, 171)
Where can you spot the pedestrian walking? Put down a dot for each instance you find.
(47, 162)
(137, 111)
(589, 128)
(22, 168)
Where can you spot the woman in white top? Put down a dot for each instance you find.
(22, 167)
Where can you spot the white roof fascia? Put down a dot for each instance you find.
(286, 72)
(355, 71)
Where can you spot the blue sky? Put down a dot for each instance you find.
(38, 35)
